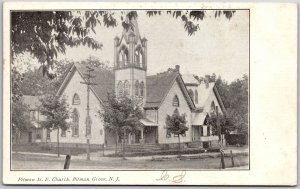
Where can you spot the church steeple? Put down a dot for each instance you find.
(130, 61)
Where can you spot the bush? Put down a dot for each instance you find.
(236, 139)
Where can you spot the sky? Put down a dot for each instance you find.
(221, 46)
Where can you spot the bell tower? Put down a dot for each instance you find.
(130, 62)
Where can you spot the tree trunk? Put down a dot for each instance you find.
(124, 143)
(58, 155)
(179, 146)
(117, 140)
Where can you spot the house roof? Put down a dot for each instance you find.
(104, 80)
(190, 79)
(33, 102)
(157, 86)
(204, 92)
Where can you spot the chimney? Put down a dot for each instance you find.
(177, 68)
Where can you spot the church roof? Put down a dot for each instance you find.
(104, 80)
(158, 86)
(190, 79)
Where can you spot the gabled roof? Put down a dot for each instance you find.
(190, 79)
(205, 90)
(103, 78)
(160, 84)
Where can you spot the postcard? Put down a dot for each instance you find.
(149, 93)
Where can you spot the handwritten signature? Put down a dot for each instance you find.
(178, 178)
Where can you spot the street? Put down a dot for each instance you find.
(42, 162)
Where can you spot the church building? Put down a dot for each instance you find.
(160, 94)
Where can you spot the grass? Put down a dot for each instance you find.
(37, 148)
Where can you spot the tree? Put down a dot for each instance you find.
(56, 111)
(121, 115)
(176, 124)
(45, 34)
(20, 118)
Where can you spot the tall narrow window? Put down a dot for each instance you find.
(48, 134)
(75, 120)
(142, 89)
(136, 88)
(191, 93)
(138, 57)
(196, 96)
(212, 106)
(120, 88)
(76, 99)
(126, 88)
(123, 56)
(175, 101)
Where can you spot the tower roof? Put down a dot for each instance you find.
(131, 28)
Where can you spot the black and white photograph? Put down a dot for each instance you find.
(128, 89)
(102, 92)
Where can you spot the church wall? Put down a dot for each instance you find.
(97, 127)
(151, 115)
(167, 108)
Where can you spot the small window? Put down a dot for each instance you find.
(142, 89)
(196, 96)
(208, 130)
(76, 99)
(136, 88)
(191, 93)
(63, 133)
(126, 88)
(175, 101)
(212, 106)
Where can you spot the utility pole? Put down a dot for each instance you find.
(220, 142)
(88, 83)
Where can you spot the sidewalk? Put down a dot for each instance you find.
(98, 155)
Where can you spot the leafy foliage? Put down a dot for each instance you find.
(121, 114)
(56, 111)
(176, 124)
(235, 99)
(45, 34)
(20, 116)
(226, 124)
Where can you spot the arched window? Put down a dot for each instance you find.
(212, 106)
(142, 89)
(123, 56)
(196, 96)
(136, 88)
(126, 88)
(175, 101)
(120, 88)
(138, 57)
(75, 121)
(76, 99)
(191, 93)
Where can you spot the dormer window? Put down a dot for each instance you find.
(76, 99)
(175, 101)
